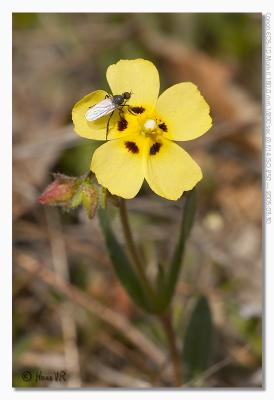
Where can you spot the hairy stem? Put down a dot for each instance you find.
(131, 247)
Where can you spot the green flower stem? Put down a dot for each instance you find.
(165, 318)
(131, 247)
(174, 352)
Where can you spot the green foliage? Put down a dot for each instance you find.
(176, 262)
(123, 268)
(160, 277)
(76, 160)
(24, 20)
(198, 338)
(240, 33)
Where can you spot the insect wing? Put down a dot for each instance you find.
(100, 109)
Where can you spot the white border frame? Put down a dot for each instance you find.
(6, 390)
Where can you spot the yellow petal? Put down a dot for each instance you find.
(90, 129)
(170, 170)
(137, 76)
(118, 165)
(184, 111)
(125, 124)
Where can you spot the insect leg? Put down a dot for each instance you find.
(108, 124)
(128, 108)
(121, 112)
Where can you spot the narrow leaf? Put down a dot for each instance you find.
(176, 262)
(123, 266)
(198, 338)
(160, 277)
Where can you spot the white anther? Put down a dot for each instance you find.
(150, 124)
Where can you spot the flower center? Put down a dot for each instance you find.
(150, 128)
(149, 124)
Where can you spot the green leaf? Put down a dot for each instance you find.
(176, 262)
(198, 338)
(160, 278)
(123, 266)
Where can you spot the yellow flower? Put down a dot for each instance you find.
(141, 140)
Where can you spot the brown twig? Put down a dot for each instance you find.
(60, 265)
(114, 377)
(102, 312)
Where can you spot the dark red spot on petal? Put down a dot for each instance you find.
(155, 148)
(132, 146)
(163, 127)
(122, 124)
(137, 110)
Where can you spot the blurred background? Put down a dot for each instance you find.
(85, 323)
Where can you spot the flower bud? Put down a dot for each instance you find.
(89, 198)
(71, 192)
(60, 191)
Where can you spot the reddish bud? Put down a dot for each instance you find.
(60, 191)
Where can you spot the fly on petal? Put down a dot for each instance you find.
(100, 109)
